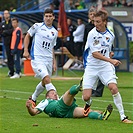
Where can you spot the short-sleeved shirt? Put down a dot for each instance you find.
(98, 41)
(44, 39)
(56, 108)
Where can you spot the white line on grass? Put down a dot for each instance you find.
(98, 100)
(21, 92)
(94, 107)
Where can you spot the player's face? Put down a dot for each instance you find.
(100, 24)
(52, 95)
(48, 19)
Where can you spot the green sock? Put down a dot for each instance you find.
(74, 89)
(95, 115)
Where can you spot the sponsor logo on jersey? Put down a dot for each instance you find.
(43, 29)
(33, 27)
(104, 44)
(99, 37)
(96, 42)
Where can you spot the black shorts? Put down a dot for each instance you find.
(78, 48)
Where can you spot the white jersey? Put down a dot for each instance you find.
(44, 39)
(97, 41)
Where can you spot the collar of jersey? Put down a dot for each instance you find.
(47, 26)
(102, 32)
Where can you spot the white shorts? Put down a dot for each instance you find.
(92, 75)
(41, 69)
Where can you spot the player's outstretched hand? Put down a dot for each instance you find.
(115, 62)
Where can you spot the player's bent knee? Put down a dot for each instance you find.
(46, 80)
(113, 88)
(85, 97)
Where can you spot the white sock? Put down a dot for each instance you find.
(50, 87)
(118, 103)
(38, 91)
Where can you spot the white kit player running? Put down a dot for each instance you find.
(99, 65)
(42, 52)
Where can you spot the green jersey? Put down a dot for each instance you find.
(56, 108)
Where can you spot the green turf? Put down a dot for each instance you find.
(14, 117)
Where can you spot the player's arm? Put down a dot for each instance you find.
(54, 62)
(32, 111)
(98, 55)
(26, 44)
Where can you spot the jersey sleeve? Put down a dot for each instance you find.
(33, 29)
(42, 105)
(112, 44)
(54, 41)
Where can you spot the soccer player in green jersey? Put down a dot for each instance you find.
(65, 107)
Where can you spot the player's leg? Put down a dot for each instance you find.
(93, 114)
(42, 71)
(109, 78)
(101, 115)
(89, 80)
(68, 97)
(78, 113)
(118, 102)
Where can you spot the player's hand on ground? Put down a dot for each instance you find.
(28, 104)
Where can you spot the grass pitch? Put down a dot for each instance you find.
(14, 117)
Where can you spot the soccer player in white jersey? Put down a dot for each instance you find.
(99, 65)
(42, 53)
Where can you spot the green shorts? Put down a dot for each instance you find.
(65, 111)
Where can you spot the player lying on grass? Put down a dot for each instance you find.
(65, 107)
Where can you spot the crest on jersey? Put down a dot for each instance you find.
(107, 39)
(39, 70)
(96, 42)
(52, 33)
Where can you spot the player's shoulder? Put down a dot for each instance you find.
(37, 25)
(110, 32)
(54, 30)
(93, 31)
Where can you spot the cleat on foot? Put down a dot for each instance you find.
(107, 112)
(125, 120)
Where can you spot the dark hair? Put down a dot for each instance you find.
(14, 19)
(92, 9)
(48, 10)
(47, 93)
(103, 14)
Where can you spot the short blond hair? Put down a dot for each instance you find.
(103, 14)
